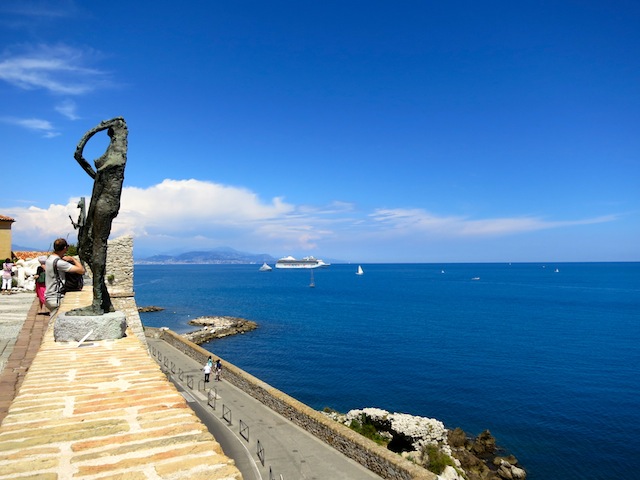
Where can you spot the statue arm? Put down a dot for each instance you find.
(86, 166)
(86, 137)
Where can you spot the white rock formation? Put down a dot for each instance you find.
(421, 430)
(450, 473)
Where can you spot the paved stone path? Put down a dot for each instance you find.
(98, 410)
(22, 327)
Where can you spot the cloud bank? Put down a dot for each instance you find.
(181, 215)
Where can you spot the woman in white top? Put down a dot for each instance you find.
(7, 267)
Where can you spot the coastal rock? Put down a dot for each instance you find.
(511, 459)
(508, 471)
(474, 467)
(450, 473)
(149, 309)
(413, 436)
(218, 327)
(410, 433)
(457, 438)
(476, 457)
(484, 445)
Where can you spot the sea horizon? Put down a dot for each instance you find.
(533, 262)
(542, 359)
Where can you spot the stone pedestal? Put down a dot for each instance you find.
(109, 326)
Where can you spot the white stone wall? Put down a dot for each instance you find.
(120, 266)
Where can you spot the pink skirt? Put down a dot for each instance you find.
(40, 289)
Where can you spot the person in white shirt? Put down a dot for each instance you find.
(53, 294)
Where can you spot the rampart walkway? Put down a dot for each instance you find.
(21, 331)
(103, 410)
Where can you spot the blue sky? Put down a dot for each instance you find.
(408, 131)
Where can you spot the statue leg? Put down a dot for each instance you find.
(101, 298)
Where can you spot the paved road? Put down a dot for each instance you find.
(289, 451)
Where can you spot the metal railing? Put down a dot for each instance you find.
(212, 396)
(226, 414)
(271, 477)
(260, 452)
(168, 366)
(243, 430)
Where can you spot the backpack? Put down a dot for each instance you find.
(73, 281)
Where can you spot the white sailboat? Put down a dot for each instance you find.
(265, 268)
(359, 271)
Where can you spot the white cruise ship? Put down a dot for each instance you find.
(305, 262)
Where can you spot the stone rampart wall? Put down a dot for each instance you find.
(120, 266)
(364, 451)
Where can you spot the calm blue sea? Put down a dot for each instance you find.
(547, 361)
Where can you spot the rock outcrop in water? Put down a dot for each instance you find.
(218, 327)
(426, 441)
(150, 309)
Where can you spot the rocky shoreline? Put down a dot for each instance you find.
(451, 454)
(218, 327)
(150, 309)
(212, 326)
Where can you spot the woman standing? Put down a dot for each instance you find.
(40, 281)
(7, 268)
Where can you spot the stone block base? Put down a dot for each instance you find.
(109, 326)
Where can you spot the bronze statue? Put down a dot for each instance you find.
(94, 229)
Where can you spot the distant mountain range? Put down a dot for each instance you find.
(20, 248)
(218, 256)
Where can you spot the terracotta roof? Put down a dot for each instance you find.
(4, 218)
(29, 255)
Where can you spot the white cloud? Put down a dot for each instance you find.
(35, 124)
(418, 221)
(38, 227)
(59, 69)
(178, 205)
(189, 214)
(67, 108)
(39, 8)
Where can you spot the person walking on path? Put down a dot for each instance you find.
(218, 368)
(41, 286)
(54, 292)
(207, 372)
(7, 269)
